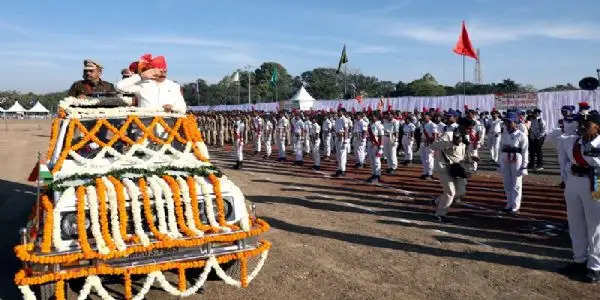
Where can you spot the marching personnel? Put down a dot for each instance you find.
(221, 130)
(408, 139)
(430, 134)
(452, 162)
(239, 129)
(477, 135)
(390, 138)
(257, 130)
(537, 135)
(298, 126)
(347, 140)
(268, 135)
(359, 130)
(282, 129)
(376, 133)
(495, 130)
(513, 162)
(306, 134)
(327, 129)
(582, 160)
(341, 133)
(315, 133)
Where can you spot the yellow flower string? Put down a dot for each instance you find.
(148, 212)
(81, 230)
(195, 211)
(101, 191)
(48, 225)
(59, 292)
(182, 281)
(123, 217)
(178, 206)
(53, 138)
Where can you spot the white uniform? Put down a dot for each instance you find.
(513, 165)
(453, 187)
(359, 131)
(306, 135)
(298, 135)
(348, 139)
(408, 140)
(282, 127)
(315, 134)
(476, 140)
(494, 135)
(151, 93)
(390, 142)
(583, 210)
(430, 133)
(376, 133)
(267, 137)
(569, 128)
(327, 129)
(257, 123)
(341, 132)
(238, 128)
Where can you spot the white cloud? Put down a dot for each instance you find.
(484, 34)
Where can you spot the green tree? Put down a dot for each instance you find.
(323, 83)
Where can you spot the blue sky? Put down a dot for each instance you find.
(541, 42)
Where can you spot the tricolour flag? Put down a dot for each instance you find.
(343, 60)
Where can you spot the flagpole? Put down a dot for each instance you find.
(345, 82)
(463, 73)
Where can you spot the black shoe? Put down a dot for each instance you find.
(562, 185)
(357, 165)
(338, 173)
(370, 179)
(443, 220)
(342, 174)
(592, 276)
(405, 163)
(237, 165)
(317, 168)
(573, 268)
(373, 179)
(424, 176)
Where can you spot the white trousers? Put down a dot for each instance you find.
(268, 146)
(341, 154)
(360, 152)
(298, 149)
(316, 153)
(389, 150)
(306, 145)
(452, 188)
(494, 145)
(513, 183)
(407, 146)
(474, 153)
(583, 214)
(257, 141)
(327, 144)
(347, 146)
(239, 150)
(281, 146)
(374, 160)
(427, 160)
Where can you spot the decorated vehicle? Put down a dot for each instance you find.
(127, 192)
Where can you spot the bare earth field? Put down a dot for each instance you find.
(346, 239)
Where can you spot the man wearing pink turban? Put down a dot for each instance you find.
(151, 86)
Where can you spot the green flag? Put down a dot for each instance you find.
(274, 76)
(343, 60)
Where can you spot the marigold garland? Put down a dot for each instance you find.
(127, 284)
(182, 280)
(65, 152)
(194, 196)
(123, 217)
(101, 191)
(23, 252)
(148, 212)
(244, 271)
(59, 290)
(53, 138)
(21, 277)
(178, 206)
(219, 197)
(48, 225)
(81, 230)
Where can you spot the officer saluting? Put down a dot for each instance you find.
(582, 160)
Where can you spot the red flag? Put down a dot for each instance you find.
(464, 46)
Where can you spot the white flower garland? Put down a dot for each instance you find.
(237, 194)
(171, 218)
(57, 240)
(111, 195)
(203, 150)
(94, 219)
(189, 214)
(146, 287)
(226, 278)
(261, 263)
(80, 108)
(94, 281)
(136, 212)
(208, 205)
(27, 292)
(159, 205)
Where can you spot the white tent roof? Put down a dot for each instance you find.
(302, 95)
(38, 108)
(16, 108)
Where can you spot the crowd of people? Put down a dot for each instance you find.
(448, 142)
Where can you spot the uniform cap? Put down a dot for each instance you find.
(89, 64)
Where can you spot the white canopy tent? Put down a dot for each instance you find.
(302, 100)
(38, 108)
(16, 108)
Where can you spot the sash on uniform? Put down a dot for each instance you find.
(581, 163)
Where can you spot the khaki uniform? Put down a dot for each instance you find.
(85, 87)
(452, 187)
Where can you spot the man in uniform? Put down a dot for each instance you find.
(268, 135)
(514, 145)
(359, 132)
(315, 136)
(257, 130)
(408, 138)
(476, 136)
(298, 126)
(327, 129)
(494, 132)
(91, 83)
(281, 135)
(306, 134)
(239, 129)
(375, 150)
(430, 134)
(537, 135)
(341, 133)
(391, 128)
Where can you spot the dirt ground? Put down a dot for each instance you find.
(345, 239)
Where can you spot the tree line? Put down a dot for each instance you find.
(321, 83)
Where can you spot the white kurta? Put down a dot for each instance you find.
(151, 93)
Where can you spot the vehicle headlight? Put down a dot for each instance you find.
(227, 209)
(68, 225)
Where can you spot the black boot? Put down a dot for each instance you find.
(237, 165)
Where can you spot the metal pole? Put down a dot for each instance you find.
(463, 73)
(249, 91)
(345, 81)
(38, 210)
(238, 86)
(198, 91)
